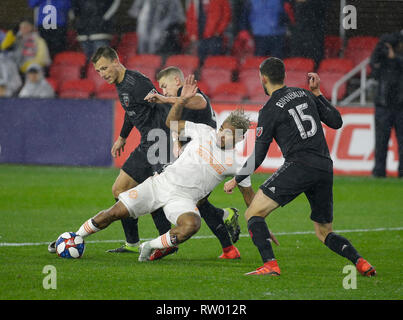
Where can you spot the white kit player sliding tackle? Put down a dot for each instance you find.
(207, 160)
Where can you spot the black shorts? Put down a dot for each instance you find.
(137, 166)
(292, 179)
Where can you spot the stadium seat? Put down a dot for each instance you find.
(257, 95)
(360, 48)
(106, 91)
(91, 74)
(127, 46)
(62, 72)
(251, 63)
(230, 92)
(217, 70)
(299, 64)
(296, 79)
(147, 64)
(71, 58)
(77, 89)
(250, 79)
(54, 84)
(203, 87)
(333, 46)
(330, 71)
(187, 63)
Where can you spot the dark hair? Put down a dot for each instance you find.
(274, 69)
(106, 52)
(170, 71)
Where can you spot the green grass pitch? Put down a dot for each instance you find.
(38, 203)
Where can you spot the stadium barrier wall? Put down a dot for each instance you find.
(81, 132)
(351, 147)
(56, 131)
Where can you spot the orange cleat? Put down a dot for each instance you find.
(160, 253)
(270, 268)
(365, 268)
(230, 252)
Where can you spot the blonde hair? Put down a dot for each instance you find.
(171, 71)
(239, 120)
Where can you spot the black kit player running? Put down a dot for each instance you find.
(293, 118)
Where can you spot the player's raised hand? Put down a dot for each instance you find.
(314, 83)
(230, 185)
(189, 88)
(118, 147)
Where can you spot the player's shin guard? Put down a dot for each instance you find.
(260, 234)
(89, 227)
(161, 222)
(213, 218)
(342, 246)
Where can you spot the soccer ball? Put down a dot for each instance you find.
(69, 245)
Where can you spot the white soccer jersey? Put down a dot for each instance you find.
(203, 165)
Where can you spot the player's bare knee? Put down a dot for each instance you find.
(322, 230)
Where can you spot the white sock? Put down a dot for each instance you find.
(87, 228)
(162, 242)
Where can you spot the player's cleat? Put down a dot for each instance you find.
(230, 252)
(160, 253)
(270, 268)
(126, 249)
(365, 268)
(232, 224)
(52, 247)
(145, 251)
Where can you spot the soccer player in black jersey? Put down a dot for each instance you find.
(199, 110)
(293, 118)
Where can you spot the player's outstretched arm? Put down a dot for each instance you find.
(189, 90)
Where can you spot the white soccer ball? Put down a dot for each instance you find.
(70, 245)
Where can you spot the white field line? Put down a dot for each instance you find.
(24, 244)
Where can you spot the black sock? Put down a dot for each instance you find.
(161, 222)
(260, 234)
(131, 229)
(342, 246)
(213, 218)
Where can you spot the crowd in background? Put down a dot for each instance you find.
(165, 27)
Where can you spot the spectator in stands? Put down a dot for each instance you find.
(36, 85)
(387, 68)
(206, 21)
(28, 47)
(93, 21)
(55, 38)
(158, 25)
(308, 31)
(10, 79)
(266, 21)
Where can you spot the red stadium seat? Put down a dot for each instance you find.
(187, 63)
(127, 46)
(360, 48)
(54, 84)
(330, 71)
(257, 95)
(203, 87)
(297, 79)
(217, 70)
(221, 62)
(299, 64)
(147, 64)
(71, 58)
(106, 91)
(250, 78)
(62, 72)
(94, 76)
(78, 89)
(251, 63)
(230, 92)
(333, 46)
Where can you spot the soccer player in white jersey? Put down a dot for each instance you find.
(207, 160)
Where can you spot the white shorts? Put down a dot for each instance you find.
(153, 194)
